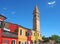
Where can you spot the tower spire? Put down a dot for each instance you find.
(36, 9)
(36, 20)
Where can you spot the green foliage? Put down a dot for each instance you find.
(46, 39)
(56, 38)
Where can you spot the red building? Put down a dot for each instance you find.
(7, 32)
(12, 27)
(29, 37)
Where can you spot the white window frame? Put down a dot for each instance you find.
(14, 40)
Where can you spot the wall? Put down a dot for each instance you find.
(12, 27)
(33, 37)
(29, 37)
(23, 37)
(9, 40)
(36, 37)
(0, 35)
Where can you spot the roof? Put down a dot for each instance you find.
(24, 27)
(3, 16)
(16, 31)
(18, 25)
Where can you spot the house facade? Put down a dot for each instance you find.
(6, 34)
(22, 37)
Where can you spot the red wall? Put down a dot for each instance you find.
(29, 37)
(0, 35)
(10, 40)
(12, 27)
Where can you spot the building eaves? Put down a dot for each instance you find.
(3, 16)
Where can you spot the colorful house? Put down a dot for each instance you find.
(22, 35)
(6, 36)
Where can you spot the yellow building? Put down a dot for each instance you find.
(22, 38)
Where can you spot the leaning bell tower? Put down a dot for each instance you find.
(36, 25)
(36, 19)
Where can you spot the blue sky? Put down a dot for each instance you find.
(20, 12)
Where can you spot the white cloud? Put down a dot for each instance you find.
(4, 8)
(51, 2)
(13, 12)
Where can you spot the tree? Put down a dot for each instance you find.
(56, 38)
(46, 39)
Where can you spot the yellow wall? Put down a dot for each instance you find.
(40, 36)
(23, 37)
(36, 37)
(33, 36)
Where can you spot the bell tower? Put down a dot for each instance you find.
(36, 19)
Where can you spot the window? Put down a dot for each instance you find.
(29, 42)
(38, 41)
(22, 43)
(20, 32)
(25, 42)
(19, 42)
(38, 34)
(27, 34)
(13, 42)
(34, 42)
(34, 34)
(34, 15)
(6, 25)
(1, 24)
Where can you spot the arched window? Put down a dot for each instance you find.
(20, 32)
(38, 41)
(19, 42)
(35, 42)
(13, 41)
(1, 24)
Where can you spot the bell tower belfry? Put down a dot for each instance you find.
(36, 19)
